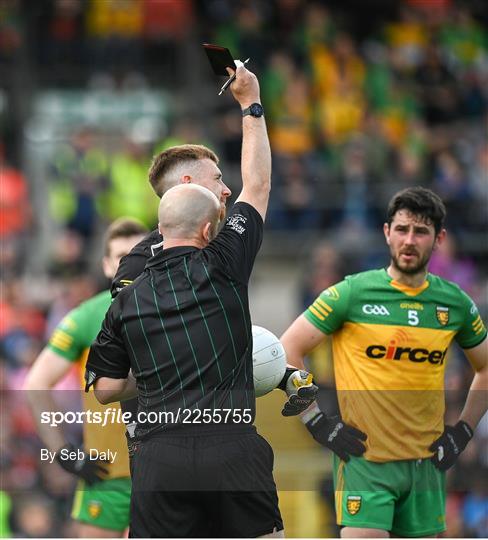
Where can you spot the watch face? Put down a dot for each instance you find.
(256, 110)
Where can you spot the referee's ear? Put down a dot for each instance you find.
(208, 232)
(159, 229)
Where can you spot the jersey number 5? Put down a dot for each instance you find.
(413, 318)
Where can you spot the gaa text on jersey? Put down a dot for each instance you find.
(373, 309)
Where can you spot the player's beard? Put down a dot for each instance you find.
(419, 268)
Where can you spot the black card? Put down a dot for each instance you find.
(219, 58)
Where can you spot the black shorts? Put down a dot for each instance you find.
(204, 486)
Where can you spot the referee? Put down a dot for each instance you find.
(184, 329)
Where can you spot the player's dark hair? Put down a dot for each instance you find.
(122, 228)
(421, 202)
(163, 162)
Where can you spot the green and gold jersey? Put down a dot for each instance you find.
(389, 345)
(72, 339)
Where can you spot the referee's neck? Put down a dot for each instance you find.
(184, 242)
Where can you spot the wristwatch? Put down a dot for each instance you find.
(255, 109)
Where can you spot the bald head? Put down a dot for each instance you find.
(185, 210)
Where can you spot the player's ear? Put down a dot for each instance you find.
(107, 267)
(439, 239)
(386, 232)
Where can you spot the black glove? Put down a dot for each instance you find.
(333, 433)
(450, 444)
(89, 470)
(300, 389)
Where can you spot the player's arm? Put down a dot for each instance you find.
(108, 390)
(305, 333)
(48, 369)
(476, 401)
(299, 339)
(330, 431)
(256, 152)
(298, 383)
(454, 439)
(472, 337)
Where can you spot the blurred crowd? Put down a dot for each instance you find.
(360, 102)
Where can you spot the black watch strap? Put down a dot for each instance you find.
(255, 109)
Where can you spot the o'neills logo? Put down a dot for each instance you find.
(394, 352)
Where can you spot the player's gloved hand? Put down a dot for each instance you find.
(450, 444)
(332, 432)
(300, 389)
(91, 471)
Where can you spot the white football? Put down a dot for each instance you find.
(268, 360)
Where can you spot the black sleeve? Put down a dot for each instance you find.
(108, 356)
(133, 264)
(238, 243)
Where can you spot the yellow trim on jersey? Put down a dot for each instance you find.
(339, 491)
(78, 500)
(320, 309)
(409, 291)
(61, 340)
(478, 325)
(324, 305)
(316, 313)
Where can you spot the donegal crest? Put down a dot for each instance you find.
(353, 504)
(94, 509)
(442, 314)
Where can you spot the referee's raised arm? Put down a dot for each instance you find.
(256, 152)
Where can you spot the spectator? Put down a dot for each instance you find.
(34, 517)
(475, 510)
(296, 209)
(130, 193)
(62, 30)
(79, 173)
(448, 264)
(5, 507)
(438, 89)
(15, 216)
(115, 32)
(452, 184)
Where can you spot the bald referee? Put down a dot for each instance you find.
(183, 327)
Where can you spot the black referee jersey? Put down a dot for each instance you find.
(184, 329)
